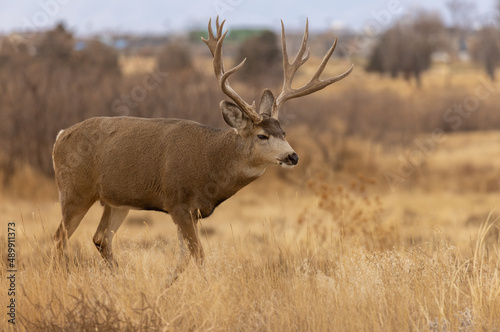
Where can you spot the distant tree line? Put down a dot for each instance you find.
(407, 47)
(50, 84)
(47, 84)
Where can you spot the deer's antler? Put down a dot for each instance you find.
(214, 43)
(289, 70)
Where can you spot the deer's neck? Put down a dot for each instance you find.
(230, 167)
(235, 155)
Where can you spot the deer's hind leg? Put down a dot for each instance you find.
(73, 211)
(112, 218)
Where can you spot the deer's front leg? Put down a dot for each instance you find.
(187, 232)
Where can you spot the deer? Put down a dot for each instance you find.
(180, 167)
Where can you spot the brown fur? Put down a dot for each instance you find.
(176, 166)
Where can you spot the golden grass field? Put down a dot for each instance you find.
(327, 252)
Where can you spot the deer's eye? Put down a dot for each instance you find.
(262, 137)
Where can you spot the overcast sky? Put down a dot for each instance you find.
(92, 16)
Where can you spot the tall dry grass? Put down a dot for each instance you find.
(331, 258)
(271, 282)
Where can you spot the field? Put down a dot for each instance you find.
(400, 238)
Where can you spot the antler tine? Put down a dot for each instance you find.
(283, 46)
(211, 42)
(300, 59)
(218, 26)
(210, 31)
(289, 70)
(218, 57)
(214, 43)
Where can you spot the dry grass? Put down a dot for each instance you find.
(333, 257)
(266, 280)
(130, 65)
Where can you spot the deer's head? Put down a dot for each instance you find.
(261, 128)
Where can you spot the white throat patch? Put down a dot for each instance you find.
(252, 172)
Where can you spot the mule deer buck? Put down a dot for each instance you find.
(176, 166)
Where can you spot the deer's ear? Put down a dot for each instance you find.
(233, 115)
(266, 103)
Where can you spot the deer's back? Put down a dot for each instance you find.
(134, 162)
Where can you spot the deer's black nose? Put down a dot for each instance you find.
(294, 158)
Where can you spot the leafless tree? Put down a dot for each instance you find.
(486, 44)
(486, 49)
(462, 13)
(56, 44)
(407, 46)
(263, 64)
(45, 86)
(99, 57)
(175, 57)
